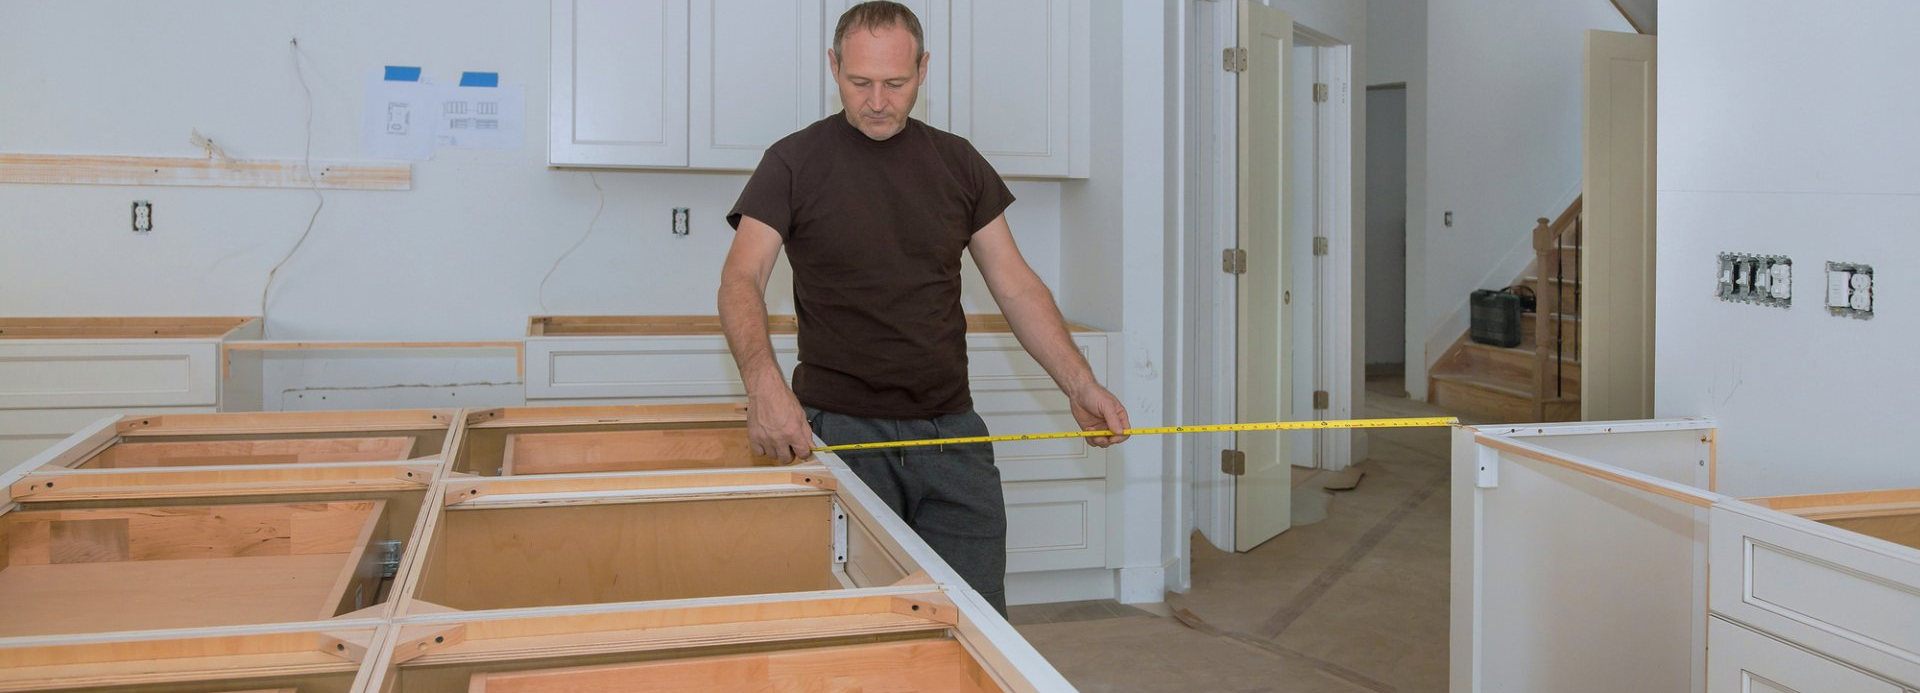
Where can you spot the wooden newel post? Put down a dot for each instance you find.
(1546, 294)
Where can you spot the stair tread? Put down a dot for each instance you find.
(1494, 385)
(1527, 350)
(1561, 280)
(1528, 315)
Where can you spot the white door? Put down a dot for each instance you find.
(932, 106)
(1616, 273)
(1263, 388)
(752, 79)
(619, 83)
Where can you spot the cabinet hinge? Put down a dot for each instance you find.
(1320, 92)
(1233, 462)
(1320, 399)
(1233, 59)
(1233, 261)
(1319, 245)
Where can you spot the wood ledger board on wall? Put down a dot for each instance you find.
(63, 169)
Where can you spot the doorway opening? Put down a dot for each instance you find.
(1312, 131)
(1386, 247)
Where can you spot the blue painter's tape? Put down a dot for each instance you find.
(479, 79)
(399, 73)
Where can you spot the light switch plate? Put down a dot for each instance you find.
(1762, 280)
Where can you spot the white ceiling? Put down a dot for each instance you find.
(1643, 14)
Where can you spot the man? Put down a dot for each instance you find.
(873, 209)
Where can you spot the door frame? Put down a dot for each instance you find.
(1209, 207)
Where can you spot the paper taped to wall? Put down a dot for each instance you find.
(408, 117)
(397, 122)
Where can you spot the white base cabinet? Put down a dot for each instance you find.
(1597, 557)
(57, 375)
(1059, 517)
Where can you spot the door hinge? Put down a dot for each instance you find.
(1320, 92)
(1233, 261)
(1233, 59)
(1233, 462)
(1319, 245)
(1320, 399)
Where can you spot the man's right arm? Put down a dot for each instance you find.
(776, 425)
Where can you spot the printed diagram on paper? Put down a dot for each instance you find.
(481, 117)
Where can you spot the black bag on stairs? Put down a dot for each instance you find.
(1495, 317)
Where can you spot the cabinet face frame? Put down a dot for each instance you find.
(60, 473)
(321, 657)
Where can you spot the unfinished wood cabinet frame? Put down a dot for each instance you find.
(60, 473)
(888, 584)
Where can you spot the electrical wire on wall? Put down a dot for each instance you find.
(576, 244)
(306, 166)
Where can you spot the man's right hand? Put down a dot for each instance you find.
(777, 426)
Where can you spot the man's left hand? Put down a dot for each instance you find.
(1097, 409)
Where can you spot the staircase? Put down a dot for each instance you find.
(1529, 382)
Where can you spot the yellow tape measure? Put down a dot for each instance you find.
(1428, 422)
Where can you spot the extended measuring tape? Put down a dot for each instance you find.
(1428, 422)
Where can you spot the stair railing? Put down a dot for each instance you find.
(1552, 271)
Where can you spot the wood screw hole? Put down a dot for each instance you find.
(439, 639)
(916, 607)
(340, 646)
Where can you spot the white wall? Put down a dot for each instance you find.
(460, 256)
(1806, 402)
(1396, 41)
(1502, 147)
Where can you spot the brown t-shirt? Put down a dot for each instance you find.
(874, 232)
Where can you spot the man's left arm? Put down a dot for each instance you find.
(1037, 323)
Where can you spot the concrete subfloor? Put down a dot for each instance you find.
(1353, 603)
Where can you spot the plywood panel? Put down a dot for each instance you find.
(1899, 529)
(101, 597)
(517, 557)
(624, 451)
(226, 452)
(929, 666)
(43, 537)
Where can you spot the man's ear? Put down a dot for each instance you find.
(833, 63)
(925, 59)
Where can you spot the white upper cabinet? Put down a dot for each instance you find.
(1019, 83)
(619, 83)
(710, 84)
(748, 90)
(931, 108)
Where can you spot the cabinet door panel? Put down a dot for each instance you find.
(619, 83)
(1011, 82)
(931, 108)
(751, 82)
(1745, 661)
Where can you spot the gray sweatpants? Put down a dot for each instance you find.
(949, 495)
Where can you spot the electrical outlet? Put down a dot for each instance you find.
(142, 216)
(1762, 280)
(681, 226)
(1850, 290)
